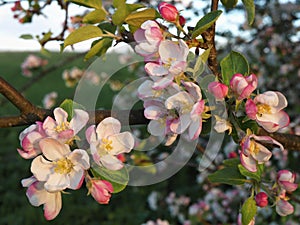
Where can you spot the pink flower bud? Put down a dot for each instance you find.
(286, 179)
(168, 11)
(100, 190)
(182, 21)
(218, 89)
(243, 86)
(261, 199)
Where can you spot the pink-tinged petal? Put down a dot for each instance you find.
(193, 89)
(53, 205)
(163, 83)
(179, 101)
(90, 134)
(28, 181)
(121, 143)
(218, 90)
(26, 131)
(268, 97)
(246, 92)
(263, 155)
(269, 126)
(145, 90)
(107, 127)
(288, 186)
(195, 129)
(178, 126)
(236, 78)
(36, 194)
(269, 140)
(284, 208)
(157, 127)
(101, 190)
(28, 154)
(248, 162)
(170, 139)
(81, 158)
(139, 35)
(49, 126)
(273, 122)
(111, 162)
(282, 102)
(177, 67)
(40, 168)
(154, 69)
(251, 109)
(53, 149)
(60, 115)
(197, 109)
(65, 135)
(57, 182)
(154, 112)
(76, 178)
(153, 35)
(79, 120)
(285, 175)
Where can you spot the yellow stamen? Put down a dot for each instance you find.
(63, 166)
(262, 109)
(106, 145)
(62, 127)
(253, 147)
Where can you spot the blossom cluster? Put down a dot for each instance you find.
(59, 164)
(32, 62)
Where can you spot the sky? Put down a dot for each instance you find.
(11, 29)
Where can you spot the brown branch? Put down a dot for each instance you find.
(209, 38)
(289, 141)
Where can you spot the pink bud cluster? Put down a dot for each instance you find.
(170, 13)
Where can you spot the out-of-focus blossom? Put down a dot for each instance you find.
(254, 152)
(222, 125)
(266, 109)
(286, 179)
(243, 86)
(106, 142)
(100, 190)
(60, 128)
(72, 76)
(261, 199)
(37, 195)
(148, 38)
(59, 167)
(29, 140)
(158, 222)
(32, 62)
(283, 207)
(49, 100)
(168, 11)
(218, 89)
(17, 6)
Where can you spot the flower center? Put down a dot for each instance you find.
(262, 109)
(63, 166)
(169, 62)
(62, 127)
(253, 147)
(106, 144)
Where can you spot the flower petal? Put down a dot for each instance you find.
(40, 168)
(111, 162)
(107, 127)
(80, 157)
(57, 182)
(53, 149)
(121, 143)
(76, 178)
(154, 69)
(248, 162)
(79, 120)
(53, 205)
(60, 115)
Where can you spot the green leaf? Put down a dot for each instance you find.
(228, 175)
(46, 37)
(118, 3)
(256, 176)
(205, 22)
(98, 48)
(96, 16)
(200, 64)
(119, 16)
(118, 178)
(26, 36)
(229, 4)
(248, 210)
(82, 34)
(231, 162)
(97, 4)
(137, 18)
(69, 105)
(250, 9)
(107, 26)
(232, 64)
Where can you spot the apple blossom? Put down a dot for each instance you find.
(60, 128)
(261, 199)
(29, 140)
(253, 152)
(148, 38)
(38, 195)
(243, 86)
(168, 12)
(106, 142)
(100, 190)
(266, 109)
(173, 58)
(283, 207)
(286, 179)
(59, 167)
(218, 89)
(32, 62)
(222, 125)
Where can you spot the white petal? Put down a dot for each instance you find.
(178, 126)
(154, 69)
(57, 182)
(80, 157)
(111, 162)
(157, 127)
(36, 193)
(60, 115)
(248, 162)
(41, 168)
(90, 134)
(121, 143)
(79, 120)
(179, 101)
(76, 178)
(263, 155)
(53, 205)
(154, 112)
(107, 127)
(53, 150)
